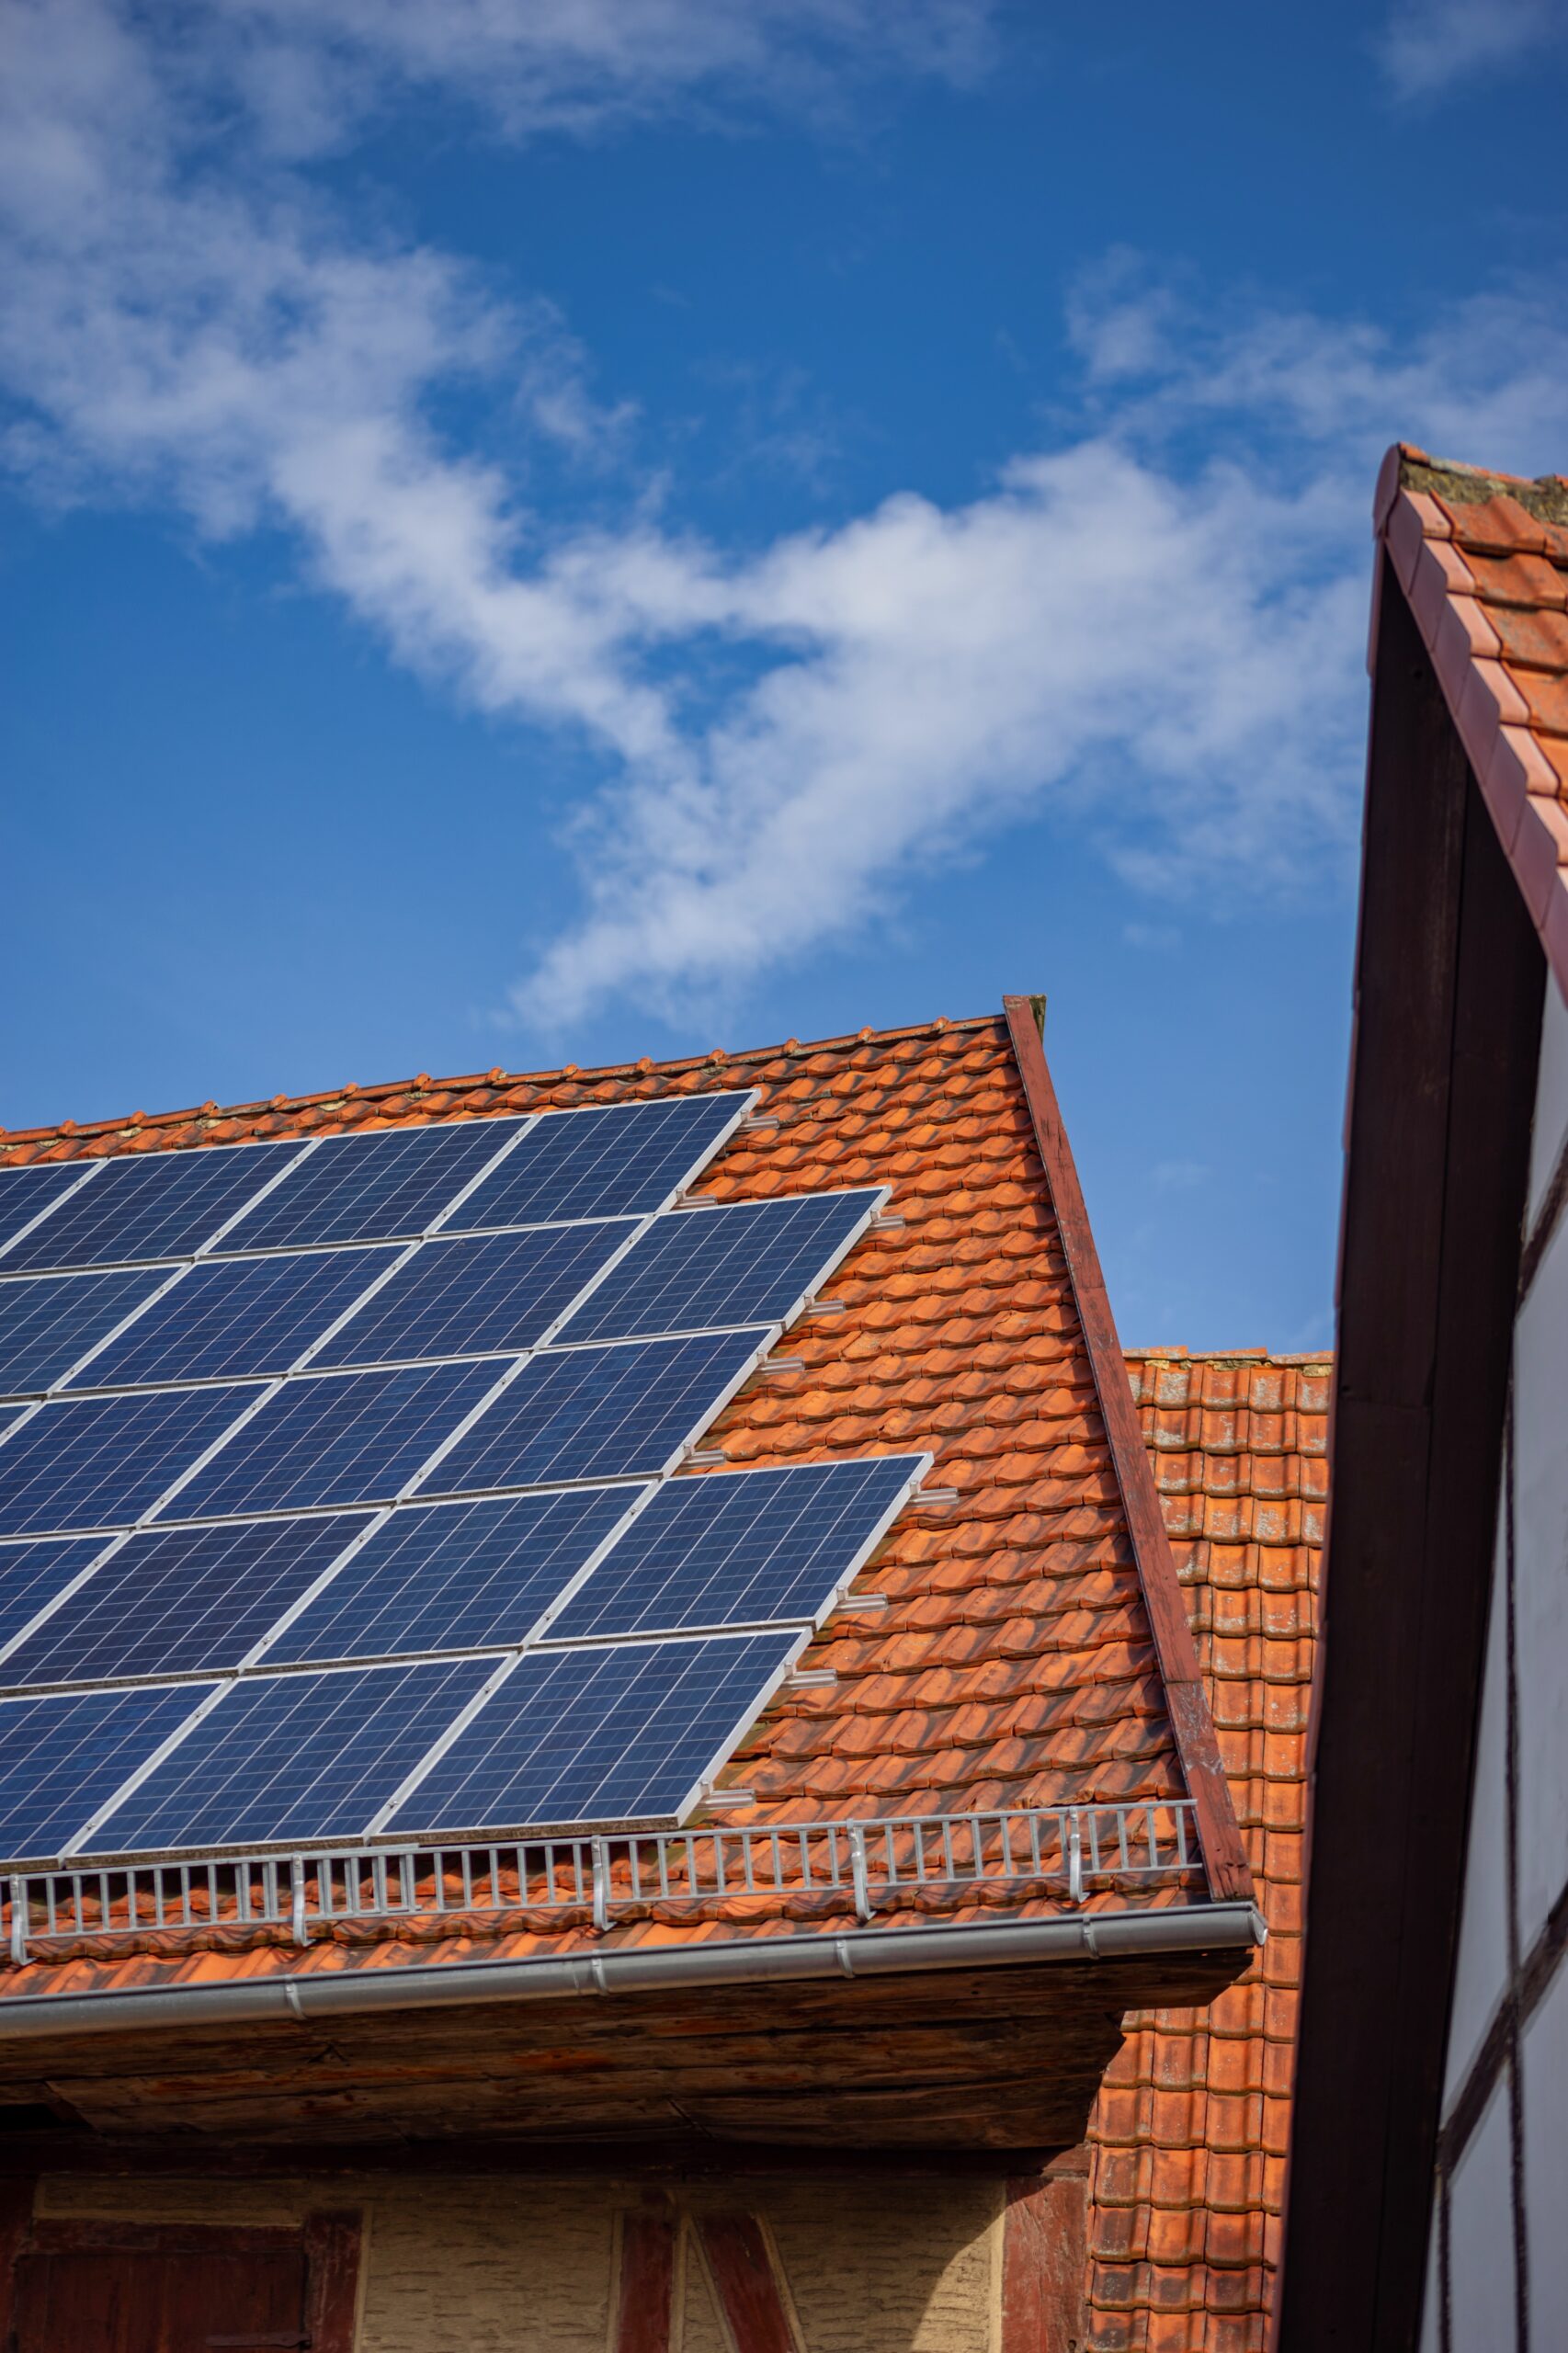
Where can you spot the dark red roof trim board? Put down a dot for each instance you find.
(1450, 983)
(1192, 1727)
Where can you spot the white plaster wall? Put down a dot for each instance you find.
(1541, 1443)
(1481, 1975)
(1431, 2312)
(1481, 2239)
(1545, 2073)
(1551, 1094)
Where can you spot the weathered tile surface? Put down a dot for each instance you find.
(1190, 2134)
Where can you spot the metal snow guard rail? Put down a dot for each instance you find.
(611, 1875)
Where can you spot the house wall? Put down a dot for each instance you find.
(460, 2264)
(1500, 2276)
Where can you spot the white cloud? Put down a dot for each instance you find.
(1431, 45)
(1162, 649)
(1091, 630)
(307, 70)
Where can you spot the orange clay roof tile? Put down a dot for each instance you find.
(1482, 560)
(1018, 1665)
(1187, 2136)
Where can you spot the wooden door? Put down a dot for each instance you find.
(167, 2298)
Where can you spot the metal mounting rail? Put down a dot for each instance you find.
(619, 1876)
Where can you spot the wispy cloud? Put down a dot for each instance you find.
(1432, 45)
(1158, 645)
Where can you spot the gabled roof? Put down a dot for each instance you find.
(1483, 558)
(1187, 2137)
(1463, 915)
(1035, 1650)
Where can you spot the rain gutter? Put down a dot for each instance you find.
(867, 1952)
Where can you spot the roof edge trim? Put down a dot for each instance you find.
(1192, 1727)
(865, 1952)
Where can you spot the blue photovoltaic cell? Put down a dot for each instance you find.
(48, 1321)
(294, 1756)
(749, 1262)
(486, 1294)
(229, 1317)
(454, 1577)
(26, 1193)
(151, 1205)
(346, 1437)
(384, 1184)
(31, 1575)
(624, 1160)
(596, 1413)
(597, 1735)
(181, 1600)
(62, 1758)
(738, 1548)
(104, 1462)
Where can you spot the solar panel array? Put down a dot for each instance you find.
(335, 1493)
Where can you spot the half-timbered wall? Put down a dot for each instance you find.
(1498, 2275)
(834, 2264)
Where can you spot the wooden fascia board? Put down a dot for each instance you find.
(1192, 1723)
(1447, 1001)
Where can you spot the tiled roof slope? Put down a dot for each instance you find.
(1483, 560)
(1016, 1663)
(1188, 2135)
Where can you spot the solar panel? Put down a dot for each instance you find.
(231, 1317)
(60, 1758)
(48, 1322)
(181, 1600)
(740, 1548)
(484, 1294)
(454, 1577)
(616, 1734)
(598, 1413)
(382, 1184)
(342, 1438)
(31, 1575)
(536, 1344)
(610, 1160)
(294, 1756)
(27, 1193)
(85, 1462)
(749, 1261)
(151, 1205)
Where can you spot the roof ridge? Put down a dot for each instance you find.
(72, 1130)
(1177, 1353)
(1542, 495)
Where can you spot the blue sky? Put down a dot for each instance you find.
(557, 532)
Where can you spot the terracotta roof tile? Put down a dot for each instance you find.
(1018, 1665)
(1187, 2136)
(1483, 562)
